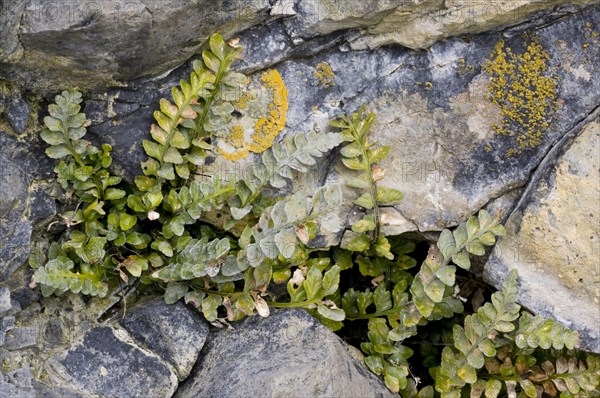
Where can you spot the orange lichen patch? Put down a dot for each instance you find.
(240, 141)
(242, 102)
(234, 149)
(267, 128)
(525, 90)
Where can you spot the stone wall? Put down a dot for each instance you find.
(435, 73)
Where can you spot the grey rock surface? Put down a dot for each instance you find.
(21, 164)
(103, 362)
(553, 238)
(105, 43)
(288, 354)
(174, 332)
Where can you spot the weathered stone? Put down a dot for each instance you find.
(6, 324)
(17, 384)
(553, 239)
(104, 363)
(21, 337)
(18, 113)
(77, 43)
(433, 110)
(174, 332)
(5, 305)
(287, 354)
(419, 24)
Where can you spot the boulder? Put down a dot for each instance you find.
(288, 354)
(107, 363)
(107, 43)
(553, 238)
(174, 332)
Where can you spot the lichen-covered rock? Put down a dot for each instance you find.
(106, 43)
(174, 332)
(288, 354)
(553, 239)
(422, 23)
(106, 363)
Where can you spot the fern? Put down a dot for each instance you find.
(277, 165)
(200, 107)
(361, 156)
(198, 259)
(292, 221)
(58, 276)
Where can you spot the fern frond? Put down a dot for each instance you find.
(283, 228)
(200, 107)
(57, 276)
(433, 284)
(277, 165)
(198, 259)
(475, 341)
(537, 331)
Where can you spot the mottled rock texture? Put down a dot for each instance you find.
(552, 238)
(460, 141)
(288, 354)
(173, 332)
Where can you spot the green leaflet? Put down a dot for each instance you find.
(198, 259)
(278, 164)
(277, 230)
(59, 275)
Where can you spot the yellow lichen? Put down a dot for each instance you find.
(592, 37)
(267, 128)
(238, 144)
(525, 90)
(464, 68)
(242, 102)
(325, 75)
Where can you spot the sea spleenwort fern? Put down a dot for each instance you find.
(223, 245)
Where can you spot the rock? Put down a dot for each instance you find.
(287, 354)
(21, 163)
(21, 337)
(174, 332)
(420, 23)
(5, 305)
(553, 238)
(6, 324)
(91, 44)
(18, 113)
(104, 362)
(17, 384)
(433, 110)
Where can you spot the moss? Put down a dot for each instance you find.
(525, 89)
(325, 75)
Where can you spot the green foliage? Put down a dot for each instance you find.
(500, 348)
(160, 231)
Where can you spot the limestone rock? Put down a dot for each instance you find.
(173, 332)
(21, 163)
(287, 354)
(103, 362)
(423, 23)
(90, 44)
(553, 240)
